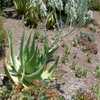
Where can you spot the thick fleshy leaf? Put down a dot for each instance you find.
(21, 54)
(12, 57)
(32, 62)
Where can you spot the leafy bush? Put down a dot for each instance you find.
(32, 62)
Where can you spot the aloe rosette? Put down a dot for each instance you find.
(32, 62)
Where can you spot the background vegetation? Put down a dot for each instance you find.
(31, 71)
(94, 4)
(56, 12)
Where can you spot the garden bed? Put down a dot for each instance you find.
(42, 64)
(69, 83)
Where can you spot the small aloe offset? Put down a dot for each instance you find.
(32, 62)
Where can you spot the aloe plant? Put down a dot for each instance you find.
(32, 62)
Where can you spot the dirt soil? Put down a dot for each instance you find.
(66, 76)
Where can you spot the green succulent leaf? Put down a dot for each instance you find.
(32, 62)
(12, 57)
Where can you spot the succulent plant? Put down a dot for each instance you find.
(32, 62)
